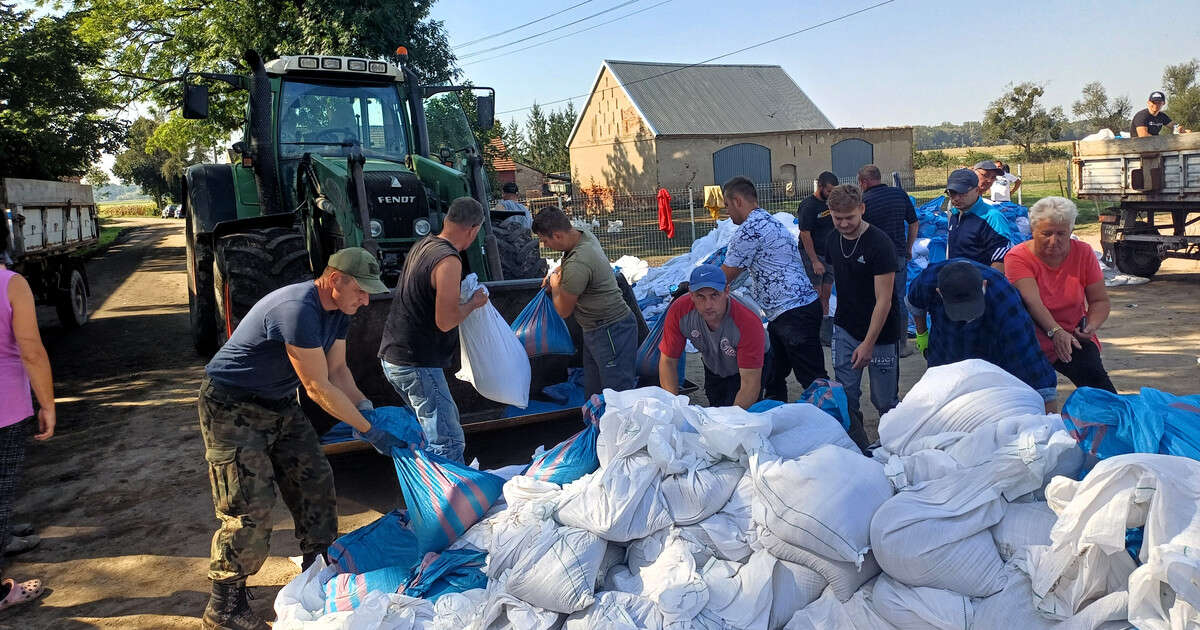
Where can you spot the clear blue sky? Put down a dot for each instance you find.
(908, 62)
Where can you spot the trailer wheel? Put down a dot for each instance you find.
(71, 302)
(520, 254)
(250, 265)
(1137, 258)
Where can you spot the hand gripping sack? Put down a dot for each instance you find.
(400, 422)
(444, 498)
(541, 330)
(492, 358)
(570, 460)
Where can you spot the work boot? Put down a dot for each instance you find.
(229, 609)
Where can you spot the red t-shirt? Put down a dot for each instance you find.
(738, 343)
(1061, 289)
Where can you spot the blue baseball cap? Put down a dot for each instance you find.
(962, 180)
(707, 276)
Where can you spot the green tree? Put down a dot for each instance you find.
(152, 168)
(543, 143)
(1019, 117)
(1182, 84)
(51, 120)
(151, 43)
(1100, 112)
(96, 177)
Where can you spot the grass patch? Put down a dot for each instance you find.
(108, 234)
(128, 209)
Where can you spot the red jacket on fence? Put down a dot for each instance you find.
(665, 222)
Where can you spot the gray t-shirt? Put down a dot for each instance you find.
(739, 342)
(766, 247)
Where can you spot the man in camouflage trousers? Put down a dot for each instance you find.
(256, 437)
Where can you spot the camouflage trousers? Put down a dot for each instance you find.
(252, 446)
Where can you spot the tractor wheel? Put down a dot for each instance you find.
(250, 265)
(520, 254)
(202, 304)
(1137, 258)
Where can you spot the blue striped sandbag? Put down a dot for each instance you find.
(444, 498)
(541, 330)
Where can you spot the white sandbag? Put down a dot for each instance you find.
(300, 605)
(829, 613)
(937, 535)
(527, 493)
(693, 497)
(1110, 612)
(614, 610)
(671, 581)
(619, 503)
(1064, 581)
(822, 501)
(676, 448)
(614, 555)
(629, 419)
(845, 578)
(959, 397)
(632, 267)
(1012, 607)
(502, 611)
(731, 432)
(921, 608)
(800, 428)
(1023, 524)
(729, 532)
(493, 360)
(924, 465)
(761, 594)
(793, 586)
(1164, 593)
(558, 570)
(456, 611)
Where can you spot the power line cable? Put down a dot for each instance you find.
(557, 28)
(541, 19)
(582, 30)
(711, 59)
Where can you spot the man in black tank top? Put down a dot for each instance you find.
(420, 337)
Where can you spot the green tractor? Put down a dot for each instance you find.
(336, 152)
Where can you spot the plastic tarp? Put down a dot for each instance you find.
(1151, 421)
(541, 330)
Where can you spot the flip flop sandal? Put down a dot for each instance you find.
(20, 529)
(21, 593)
(21, 544)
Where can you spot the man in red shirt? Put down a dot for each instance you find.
(729, 336)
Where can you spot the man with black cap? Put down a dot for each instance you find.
(256, 437)
(987, 171)
(978, 230)
(509, 206)
(977, 314)
(1150, 121)
(728, 335)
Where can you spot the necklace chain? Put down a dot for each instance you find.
(842, 244)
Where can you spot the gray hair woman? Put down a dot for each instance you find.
(1063, 289)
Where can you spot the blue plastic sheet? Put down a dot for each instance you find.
(386, 542)
(830, 397)
(1152, 421)
(541, 330)
(452, 571)
(765, 405)
(444, 498)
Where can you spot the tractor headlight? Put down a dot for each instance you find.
(421, 227)
(376, 229)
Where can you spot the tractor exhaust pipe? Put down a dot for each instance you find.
(262, 142)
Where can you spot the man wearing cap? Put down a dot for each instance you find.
(510, 207)
(1150, 121)
(987, 171)
(978, 230)
(728, 335)
(420, 337)
(977, 314)
(256, 437)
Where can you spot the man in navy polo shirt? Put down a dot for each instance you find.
(978, 230)
(889, 209)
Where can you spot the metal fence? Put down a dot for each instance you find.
(628, 223)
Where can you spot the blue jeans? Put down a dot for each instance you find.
(427, 393)
(884, 370)
(901, 293)
(610, 356)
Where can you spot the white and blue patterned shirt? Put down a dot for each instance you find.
(766, 247)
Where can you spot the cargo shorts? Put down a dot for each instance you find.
(253, 445)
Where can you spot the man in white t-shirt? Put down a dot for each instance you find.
(1005, 185)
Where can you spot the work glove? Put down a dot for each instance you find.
(365, 405)
(923, 341)
(379, 437)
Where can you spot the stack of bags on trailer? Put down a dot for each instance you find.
(666, 515)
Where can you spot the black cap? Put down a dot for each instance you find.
(962, 180)
(1157, 96)
(961, 287)
(510, 188)
(988, 165)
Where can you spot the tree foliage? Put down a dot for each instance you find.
(154, 169)
(947, 135)
(1100, 112)
(542, 143)
(1182, 84)
(1018, 117)
(151, 43)
(51, 123)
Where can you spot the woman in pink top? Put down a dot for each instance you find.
(23, 363)
(1060, 281)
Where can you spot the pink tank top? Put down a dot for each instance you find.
(16, 404)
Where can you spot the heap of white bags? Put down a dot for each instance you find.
(969, 517)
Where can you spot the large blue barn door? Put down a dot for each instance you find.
(850, 155)
(746, 159)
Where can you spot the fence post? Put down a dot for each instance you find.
(1019, 189)
(558, 198)
(692, 213)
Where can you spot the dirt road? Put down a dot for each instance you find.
(121, 496)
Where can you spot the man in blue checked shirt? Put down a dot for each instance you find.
(977, 314)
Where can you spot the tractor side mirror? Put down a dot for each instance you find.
(195, 101)
(485, 111)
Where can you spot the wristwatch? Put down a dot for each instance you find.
(1050, 333)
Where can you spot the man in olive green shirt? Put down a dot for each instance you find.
(585, 286)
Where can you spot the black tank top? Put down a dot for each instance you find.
(411, 336)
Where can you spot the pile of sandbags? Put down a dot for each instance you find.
(969, 516)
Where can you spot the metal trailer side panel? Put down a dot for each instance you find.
(48, 217)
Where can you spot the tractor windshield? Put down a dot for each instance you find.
(326, 118)
(449, 132)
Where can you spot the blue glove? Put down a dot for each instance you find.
(383, 441)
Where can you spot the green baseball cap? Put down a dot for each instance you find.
(359, 264)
